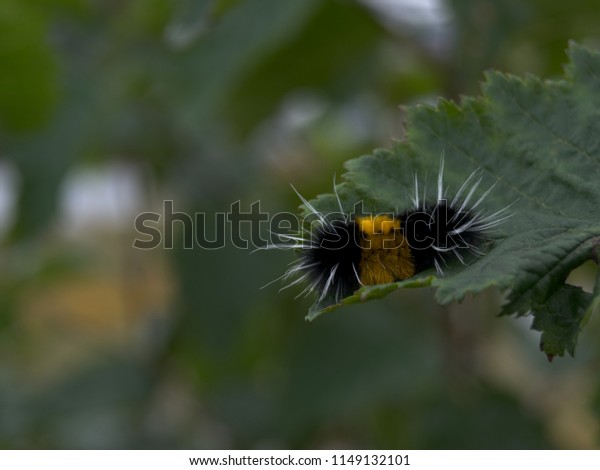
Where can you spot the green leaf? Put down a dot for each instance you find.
(539, 141)
(560, 320)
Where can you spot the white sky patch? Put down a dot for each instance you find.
(430, 19)
(422, 12)
(107, 197)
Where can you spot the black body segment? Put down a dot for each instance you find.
(335, 248)
(437, 230)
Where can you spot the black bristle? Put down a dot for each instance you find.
(430, 232)
(334, 243)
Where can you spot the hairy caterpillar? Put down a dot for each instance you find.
(341, 253)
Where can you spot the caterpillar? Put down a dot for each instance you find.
(341, 253)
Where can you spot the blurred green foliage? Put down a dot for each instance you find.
(104, 346)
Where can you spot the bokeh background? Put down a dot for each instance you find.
(109, 107)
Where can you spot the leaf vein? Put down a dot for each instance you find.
(496, 176)
(558, 136)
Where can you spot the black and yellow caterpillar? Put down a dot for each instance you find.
(340, 255)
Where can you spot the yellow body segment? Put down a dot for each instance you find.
(385, 256)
